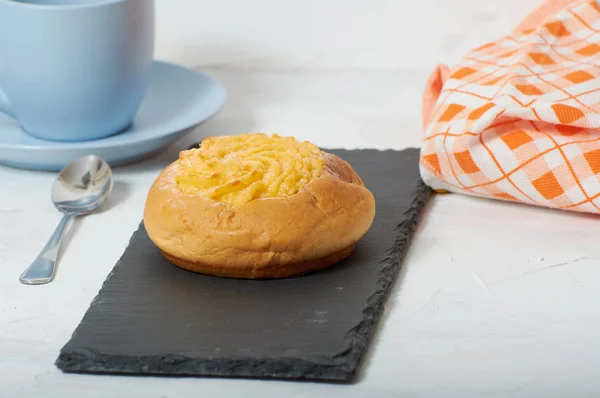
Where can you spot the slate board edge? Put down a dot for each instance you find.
(342, 368)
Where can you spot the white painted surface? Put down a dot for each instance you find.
(330, 34)
(495, 299)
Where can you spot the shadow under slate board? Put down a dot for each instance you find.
(152, 318)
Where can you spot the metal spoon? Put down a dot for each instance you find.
(80, 187)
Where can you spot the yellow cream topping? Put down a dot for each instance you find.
(237, 169)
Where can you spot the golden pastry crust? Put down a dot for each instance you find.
(264, 238)
(269, 271)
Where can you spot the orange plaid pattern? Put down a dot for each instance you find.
(519, 118)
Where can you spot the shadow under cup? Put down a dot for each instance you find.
(74, 70)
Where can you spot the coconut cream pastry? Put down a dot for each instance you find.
(257, 206)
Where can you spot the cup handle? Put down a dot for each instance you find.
(4, 105)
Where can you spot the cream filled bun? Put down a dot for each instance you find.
(257, 206)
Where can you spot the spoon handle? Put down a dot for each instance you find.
(42, 269)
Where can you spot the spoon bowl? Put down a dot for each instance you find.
(80, 187)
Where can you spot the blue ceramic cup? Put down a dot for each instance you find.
(73, 70)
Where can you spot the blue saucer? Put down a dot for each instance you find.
(177, 99)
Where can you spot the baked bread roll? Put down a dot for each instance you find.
(257, 206)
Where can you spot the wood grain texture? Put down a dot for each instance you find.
(153, 318)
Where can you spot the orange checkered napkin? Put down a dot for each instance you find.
(519, 118)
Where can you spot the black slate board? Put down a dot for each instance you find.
(152, 318)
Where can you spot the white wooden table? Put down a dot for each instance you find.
(494, 299)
